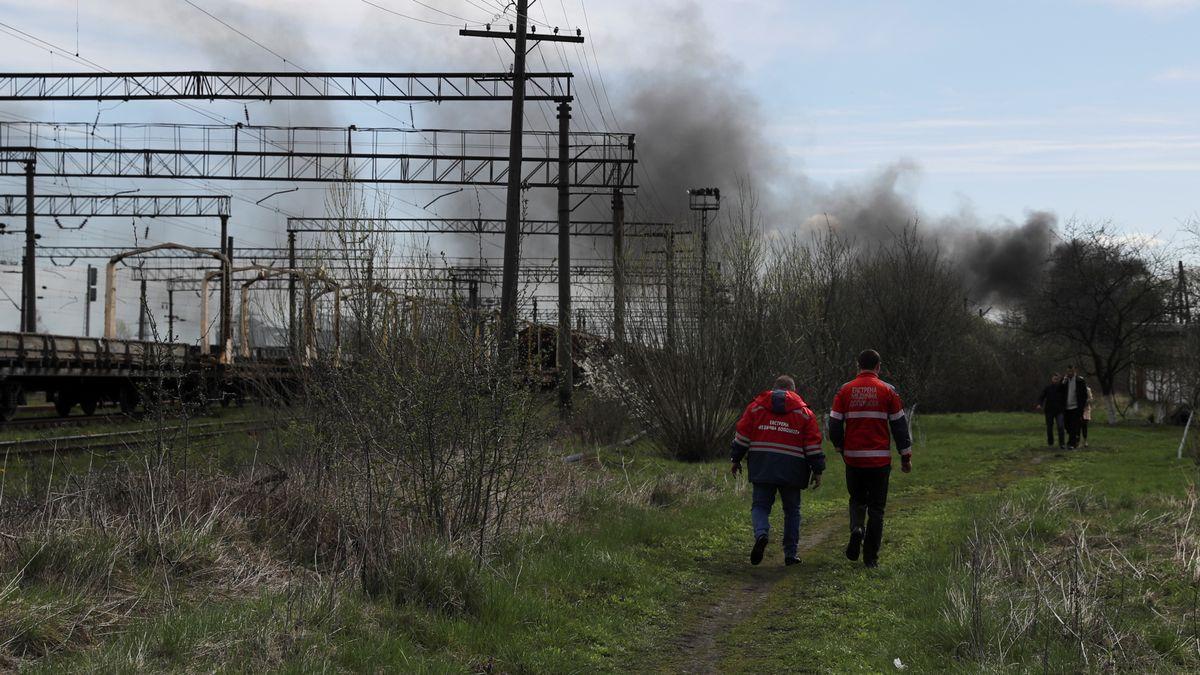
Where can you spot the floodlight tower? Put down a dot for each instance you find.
(703, 201)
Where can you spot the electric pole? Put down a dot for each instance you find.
(512, 215)
(227, 309)
(142, 311)
(512, 218)
(29, 272)
(618, 252)
(669, 242)
(89, 296)
(171, 314)
(565, 358)
(293, 343)
(226, 281)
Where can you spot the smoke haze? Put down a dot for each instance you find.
(697, 126)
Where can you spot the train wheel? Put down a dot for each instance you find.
(10, 400)
(63, 403)
(88, 405)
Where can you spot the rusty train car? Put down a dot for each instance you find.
(85, 372)
(537, 345)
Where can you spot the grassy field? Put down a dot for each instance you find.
(999, 555)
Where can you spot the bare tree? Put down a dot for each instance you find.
(1103, 294)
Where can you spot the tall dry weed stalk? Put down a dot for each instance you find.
(1031, 593)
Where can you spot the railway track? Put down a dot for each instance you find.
(121, 440)
(54, 421)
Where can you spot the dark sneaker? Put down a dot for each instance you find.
(756, 553)
(871, 564)
(856, 538)
(791, 561)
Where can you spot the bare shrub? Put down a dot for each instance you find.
(1036, 586)
(682, 391)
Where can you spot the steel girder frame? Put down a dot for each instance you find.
(119, 205)
(280, 86)
(599, 161)
(585, 228)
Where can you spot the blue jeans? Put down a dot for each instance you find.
(760, 514)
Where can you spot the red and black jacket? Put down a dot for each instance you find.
(867, 416)
(782, 438)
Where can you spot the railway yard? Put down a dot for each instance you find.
(432, 336)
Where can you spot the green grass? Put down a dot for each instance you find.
(624, 582)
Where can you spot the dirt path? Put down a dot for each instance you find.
(741, 590)
(697, 645)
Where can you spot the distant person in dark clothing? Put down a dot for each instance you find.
(1051, 403)
(1075, 401)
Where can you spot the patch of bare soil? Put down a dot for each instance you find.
(697, 645)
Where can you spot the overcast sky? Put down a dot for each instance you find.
(1086, 108)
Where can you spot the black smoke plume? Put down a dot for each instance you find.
(698, 126)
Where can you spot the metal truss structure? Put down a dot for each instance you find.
(417, 273)
(596, 160)
(119, 205)
(106, 252)
(275, 86)
(479, 226)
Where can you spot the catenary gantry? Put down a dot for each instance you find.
(304, 154)
(118, 205)
(276, 86)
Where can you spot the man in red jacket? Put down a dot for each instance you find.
(782, 439)
(867, 416)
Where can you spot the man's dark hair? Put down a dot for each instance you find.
(868, 359)
(785, 382)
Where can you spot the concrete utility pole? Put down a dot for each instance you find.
(170, 315)
(565, 358)
(292, 342)
(142, 310)
(227, 307)
(512, 214)
(89, 296)
(618, 245)
(226, 281)
(519, 33)
(29, 272)
(669, 243)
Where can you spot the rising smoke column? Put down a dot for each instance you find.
(698, 126)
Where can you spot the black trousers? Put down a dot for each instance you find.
(1074, 420)
(868, 490)
(1054, 421)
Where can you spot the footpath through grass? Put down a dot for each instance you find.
(650, 574)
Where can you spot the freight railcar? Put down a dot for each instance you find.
(85, 371)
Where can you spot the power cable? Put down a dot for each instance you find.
(406, 16)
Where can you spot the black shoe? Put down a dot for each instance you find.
(871, 564)
(791, 561)
(856, 538)
(756, 554)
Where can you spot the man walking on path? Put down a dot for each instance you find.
(780, 436)
(1051, 403)
(1075, 399)
(867, 416)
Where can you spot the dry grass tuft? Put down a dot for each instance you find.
(1046, 581)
